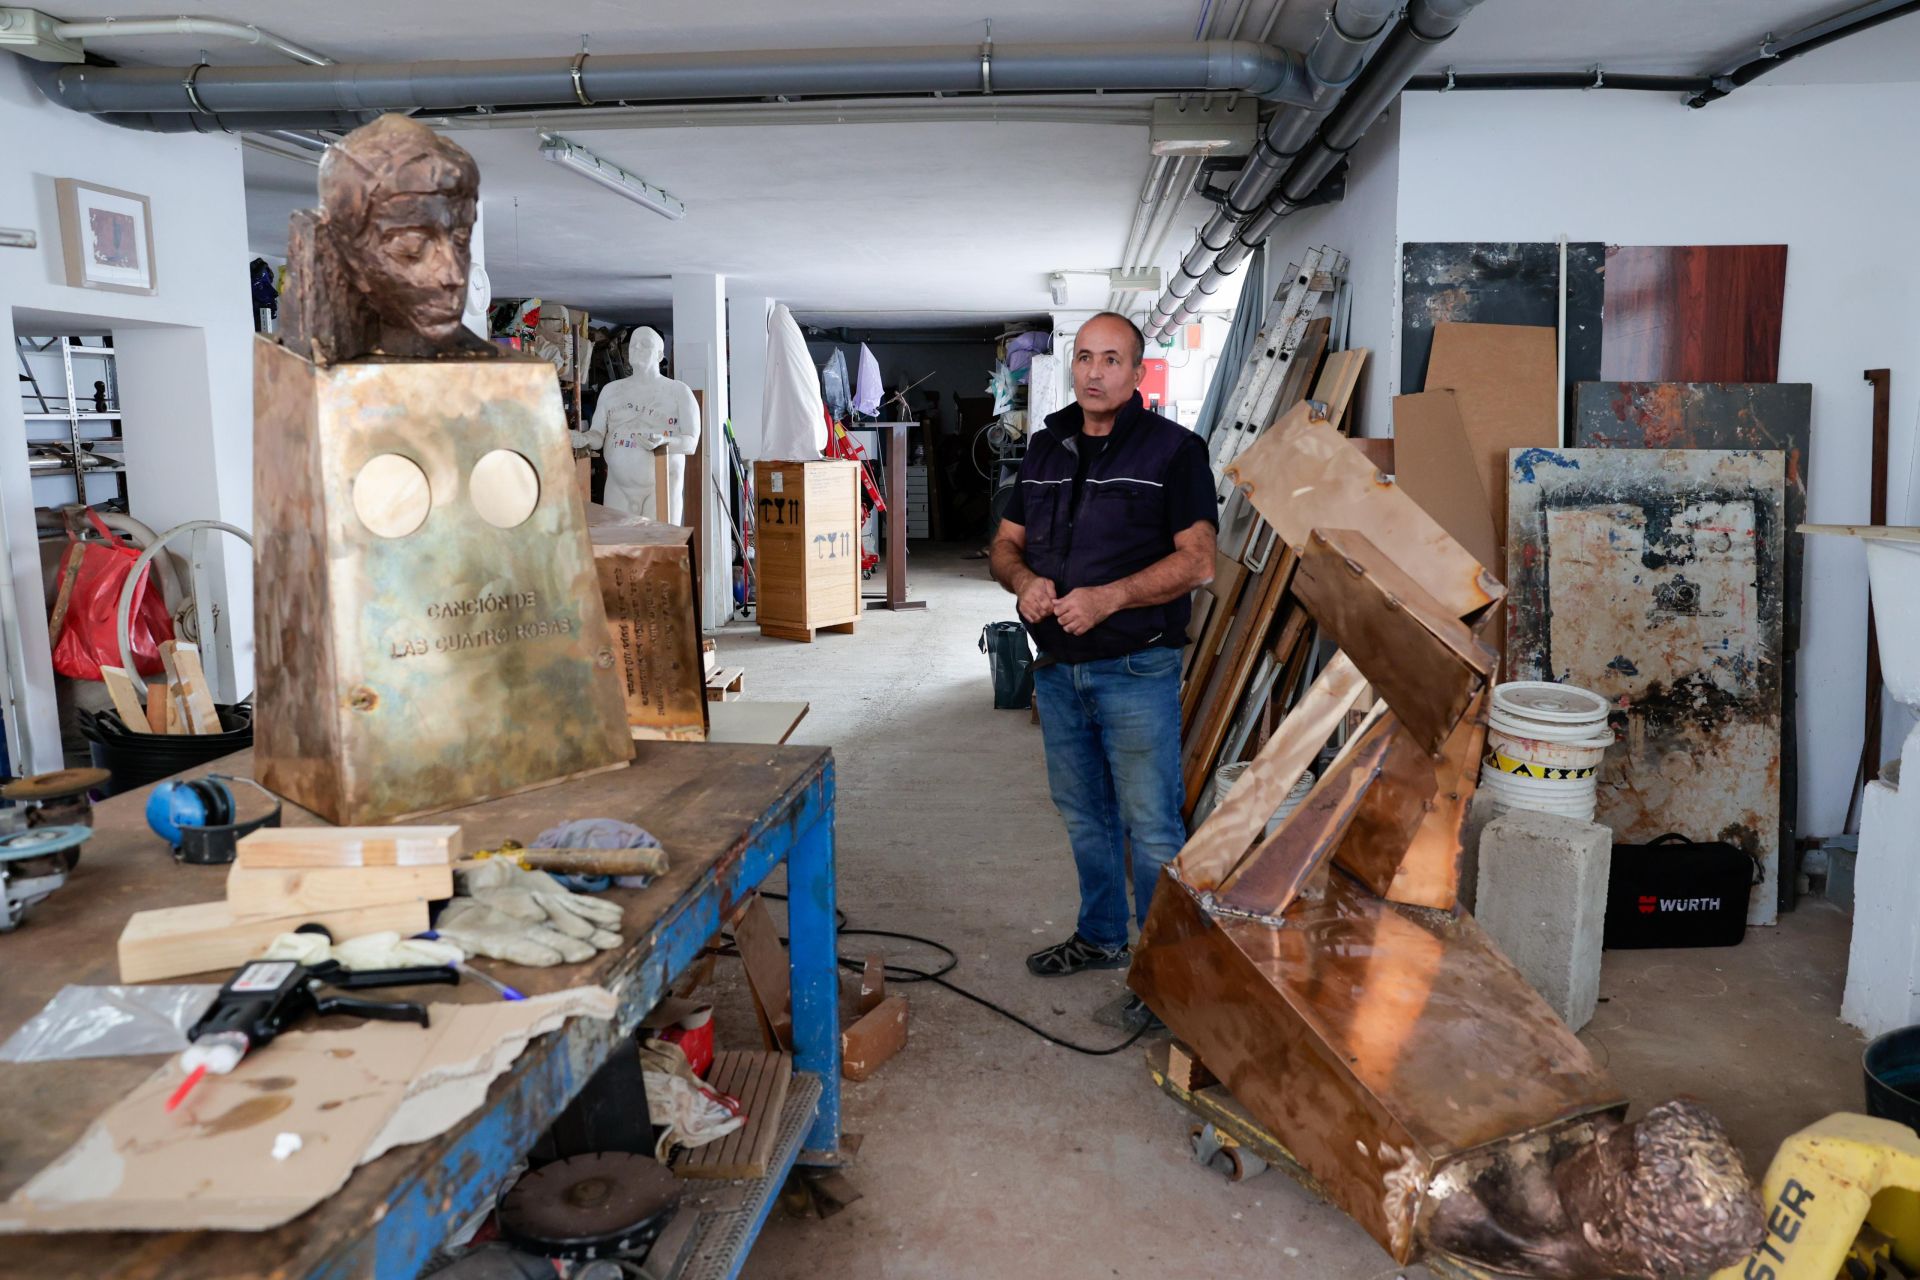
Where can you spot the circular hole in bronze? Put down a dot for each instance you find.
(504, 487)
(390, 495)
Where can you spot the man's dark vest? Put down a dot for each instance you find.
(1119, 528)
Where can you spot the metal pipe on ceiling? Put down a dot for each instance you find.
(215, 28)
(1335, 60)
(1425, 24)
(1773, 53)
(309, 97)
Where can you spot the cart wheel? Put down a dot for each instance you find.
(1220, 1153)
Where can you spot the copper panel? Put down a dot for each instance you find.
(1238, 820)
(1378, 1043)
(1393, 810)
(1425, 662)
(1429, 871)
(1276, 872)
(1302, 474)
(460, 661)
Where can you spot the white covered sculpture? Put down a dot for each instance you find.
(633, 417)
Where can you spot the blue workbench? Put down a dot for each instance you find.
(729, 816)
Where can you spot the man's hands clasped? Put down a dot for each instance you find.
(1078, 612)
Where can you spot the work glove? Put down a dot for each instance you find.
(480, 930)
(387, 950)
(539, 899)
(692, 1111)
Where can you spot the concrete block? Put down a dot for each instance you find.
(1542, 896)
(1883, 960)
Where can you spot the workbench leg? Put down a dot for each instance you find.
(816, 978)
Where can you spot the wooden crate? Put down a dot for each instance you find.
(808, 554)
(651, 592)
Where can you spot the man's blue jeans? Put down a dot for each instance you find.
(1112, 732)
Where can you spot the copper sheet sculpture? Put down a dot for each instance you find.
(1326, 975)
(429, 625)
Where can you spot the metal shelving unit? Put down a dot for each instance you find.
(49, 394)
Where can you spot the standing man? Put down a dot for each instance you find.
(1111, 526)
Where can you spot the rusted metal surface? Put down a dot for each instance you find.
(1380, 1044)
(1286, 862)
(1230, 830)
(1654, 578)
(461, 661)
(1302, 475)
(1425, 662)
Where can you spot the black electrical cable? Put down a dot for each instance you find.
(906, 974)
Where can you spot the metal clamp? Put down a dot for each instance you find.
(986, 61)
(193, 94)
(579, 65)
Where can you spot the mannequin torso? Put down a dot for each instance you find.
(633, 417)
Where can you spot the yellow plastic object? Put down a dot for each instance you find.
(1827, 1182)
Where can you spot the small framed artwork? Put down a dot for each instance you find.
(106, 236)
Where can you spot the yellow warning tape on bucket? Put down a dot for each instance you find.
(1521, 768)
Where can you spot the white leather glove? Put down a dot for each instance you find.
(539, 899)
(386, 950)
(479, 930)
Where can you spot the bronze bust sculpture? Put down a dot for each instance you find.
(381, 267)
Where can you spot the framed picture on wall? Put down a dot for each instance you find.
(106, 236)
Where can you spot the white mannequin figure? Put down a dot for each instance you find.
(633, 417)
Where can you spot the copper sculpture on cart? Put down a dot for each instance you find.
(1325, 973)
(429, 624)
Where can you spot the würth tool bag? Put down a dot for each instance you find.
(1676, 892)
(1011, 657)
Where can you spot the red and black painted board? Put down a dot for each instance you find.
(1725, 415)
(1693, 313)
(1500, 283)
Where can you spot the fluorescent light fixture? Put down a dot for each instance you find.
(1145, 280)
(571, 155)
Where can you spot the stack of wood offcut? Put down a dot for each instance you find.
(1253, 644)
(353, 880)
(181, 703)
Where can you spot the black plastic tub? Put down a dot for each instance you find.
(135, 759)
(1892, 1066)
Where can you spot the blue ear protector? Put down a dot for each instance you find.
(196, 817)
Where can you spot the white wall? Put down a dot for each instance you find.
(1817, 168)
(186, 352)
(1362, 227)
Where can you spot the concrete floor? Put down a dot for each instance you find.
(990, 1152)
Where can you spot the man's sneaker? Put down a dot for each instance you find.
(1074, 955)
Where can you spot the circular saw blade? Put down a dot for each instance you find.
(59, 845)
(55, 785)
(591, 1206)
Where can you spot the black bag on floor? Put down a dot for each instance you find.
(1011, 657)
(1675, 892)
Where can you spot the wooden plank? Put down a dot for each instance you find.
(421, 846)
(126, 700)
(171, 942)
(1239, 819)
(158, 703)
(760, 1081)
(201, 716)
(1336, 383)
(278, 891)
(1693, 313)
(1441, 474)
(1229, 582)
(1234, 669)
(726, 684)
(765, 961)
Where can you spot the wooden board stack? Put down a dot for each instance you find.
(353, 880)
(1253, 643)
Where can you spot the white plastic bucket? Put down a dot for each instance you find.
(1542, 757)
(1527, 712)
(1227, 774)
(1573, 797)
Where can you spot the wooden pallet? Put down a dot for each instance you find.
(726, 683)
(804, 635)
(759, 1080)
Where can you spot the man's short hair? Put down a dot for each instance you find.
(1139, 338)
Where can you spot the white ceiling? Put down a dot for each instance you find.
(910, 222)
